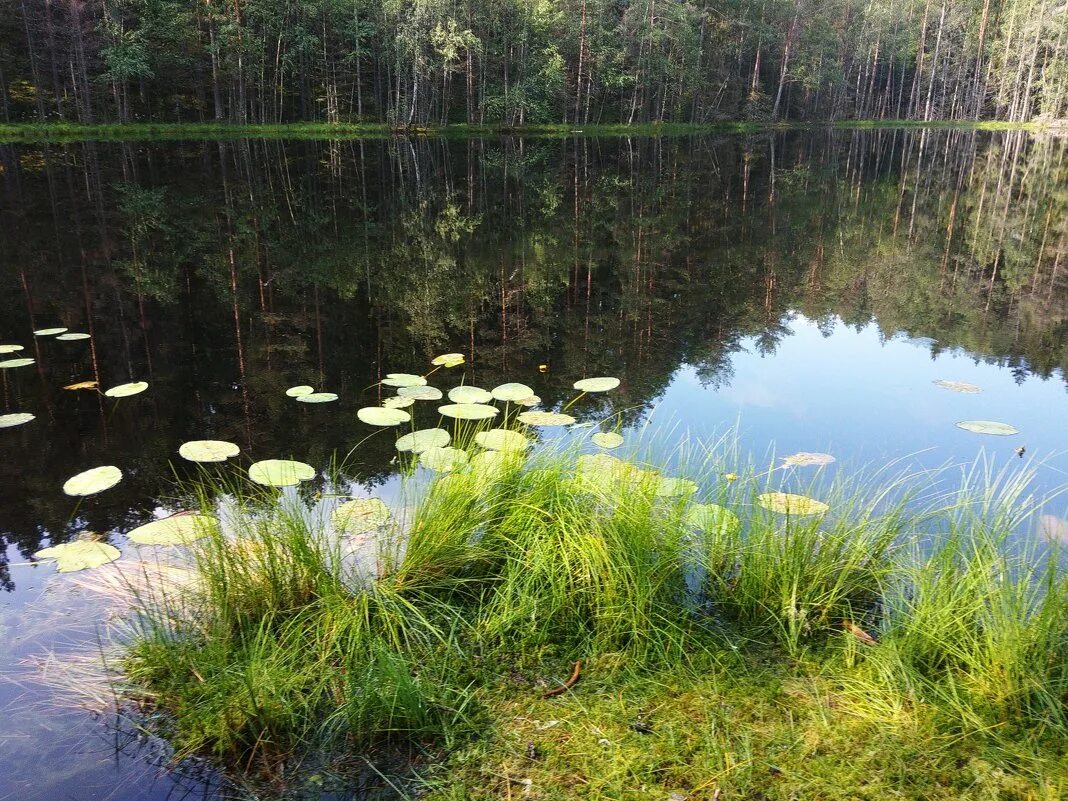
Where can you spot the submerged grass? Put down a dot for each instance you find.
(871, 652)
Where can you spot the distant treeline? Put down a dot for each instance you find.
(518, 62)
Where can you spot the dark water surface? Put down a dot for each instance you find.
(806, 287)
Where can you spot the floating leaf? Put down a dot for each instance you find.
(360, 516)
(83, 385)
(469, 411)
(381, 416)
(668, 487)
(93, 481)
(601, 384)
(448, 360)
(804, 459)
(419, 441)
(15, 363)
(17, 419)
(420, 393)
(126, 390)
(988, 427)
(545, 419)
(601, 472)
(280, 472)
(297, 392)
(533, 400)
(957, 386)
(208, 450)
(469, 394)
(180, 529)
(712, 518)
(403, 380)
(317, 397)
(72, 337)
(512, 392)
(442, 460)
(11, 348)
(49, 332)
(490, 464)
(502, 439)
(607, 439)
(787, 504)
(397, 403)
(79, 555)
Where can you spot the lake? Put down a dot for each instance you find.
(806, 288)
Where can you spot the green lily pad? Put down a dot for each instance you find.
(180, 529)
(805, 459)
(469, 394)
(469, 411)
(448, 360)
(382, 416)
(419, 441)
(787, 504)
(988, 427)
(93, 481)
(11, 348)
(5, 365)
(600, 472)
(512, 392)
(317, 397)
(442, 460)
(49, 332)
(298, 392)
(397, 403)
(957, 386)
(502, 439)
(490, 464)
(403, 380)
(360, 516)
(17, 419)
(545, 419)
(126, 390)
(607, 439)
(533, 400)
(600, 384)
(712, 518)
(280, 472)
(79, 555)
(75, 337)
(420, 393)
(208, 450)
(668, 487)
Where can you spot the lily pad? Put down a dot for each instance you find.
(93, 481)
(711, 517)
(360, 516)
(419, 441)
(502, 439)
(512, 392)
(49, 332)
(420, 393)
(17, 419)
(208, 450)
(79, 555)
(83, 385)
(180, 529)
(957, 386)
(280, 472)
(11, 348)
(600, 384)
(533, 400)
(470, 394)
(126, 390)
(545, 419)
(490, 464)
(607, 439)
(668, 487)
(381, 416)
(601, 472)
(317, 397)
(397, 403)
(15, 363)
(805, 459)
(403, 380)
(74, 337)
(469, 411)
(448, 360)
(787, 504)
(988, 427)
(301, 391)
(442, 460)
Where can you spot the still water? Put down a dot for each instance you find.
(805, 288)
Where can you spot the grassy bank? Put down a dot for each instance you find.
(61, 131)
(562, 626)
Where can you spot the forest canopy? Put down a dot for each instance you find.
(522, 62)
